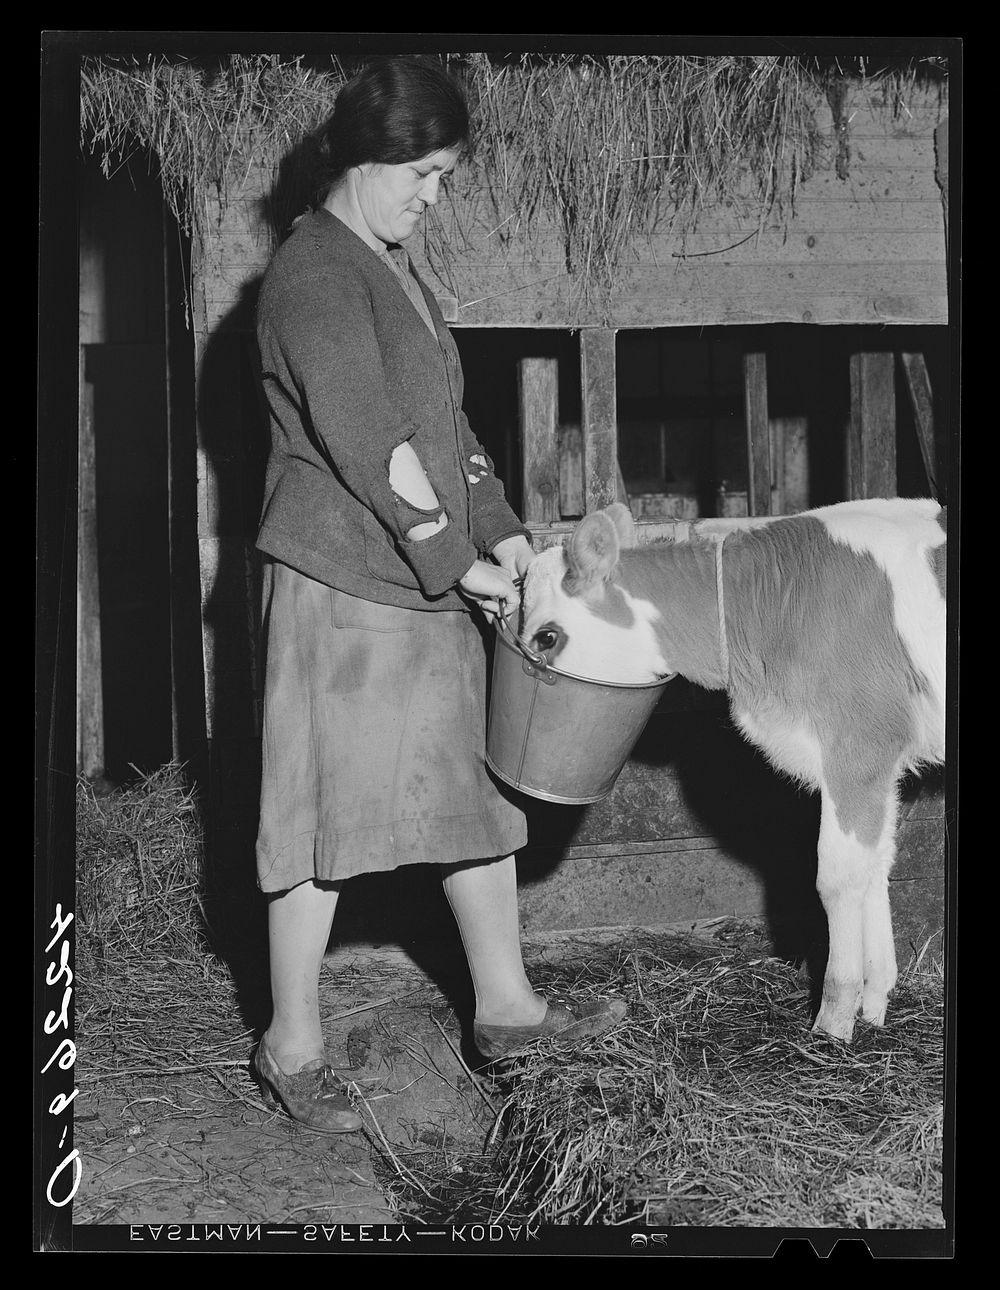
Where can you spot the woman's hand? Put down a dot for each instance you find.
(514, 554)
(491, 588)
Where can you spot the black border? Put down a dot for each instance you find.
(55, 663)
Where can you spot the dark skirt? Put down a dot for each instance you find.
(373, 738)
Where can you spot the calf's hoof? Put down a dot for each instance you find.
(836, 1020)
(843, 1030)
(873, 1010)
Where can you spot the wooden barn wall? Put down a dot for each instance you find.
(865, 248)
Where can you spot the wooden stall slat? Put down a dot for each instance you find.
(871, 442)
(538, 394)
(570, 449)
(918, 383)
(758, 434)
(90, 695)
(600, 418)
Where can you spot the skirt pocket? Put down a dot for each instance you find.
(368, 615)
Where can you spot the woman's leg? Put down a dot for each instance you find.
(483, 898)
(299, 924)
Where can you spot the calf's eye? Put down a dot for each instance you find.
(546, 639)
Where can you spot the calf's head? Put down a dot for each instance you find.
(576, 612)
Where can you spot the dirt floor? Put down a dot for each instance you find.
(177, 1145)
(712, 1107)
(204, 1148)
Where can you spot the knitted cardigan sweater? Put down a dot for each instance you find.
(349, 372)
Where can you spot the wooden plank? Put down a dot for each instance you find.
(871, 456)
(187, 682)
(537, 396)
(912, 218)
(664, 506)
(656, 889)
(570, 450)
(805, 257)
(920, 849)
(689, 293)
(706, 294)
(866, 280)
(854, 481)
(805, 242)
(918, 383)
(826, 231)
(918, 918)
(599, 417)
(90, 690)
(902, 176)
(621, 492)
(888, 153)
(941, 169)
(837, 232)
(562, 310)
(867, 187)
(790, 459)
(758, 434)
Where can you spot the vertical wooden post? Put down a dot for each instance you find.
(600, 417)
(93, 328)
(758, 434)
(89, 687)
(172, 528)
(871, 444)
(187, 688)
(918, 383)
(538, 411)
(790, 462)
(570, 446)
(941, 171)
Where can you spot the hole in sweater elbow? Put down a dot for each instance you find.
(427, 528)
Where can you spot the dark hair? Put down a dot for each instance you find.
(395, 110)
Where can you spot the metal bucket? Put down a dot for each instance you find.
(557, 736)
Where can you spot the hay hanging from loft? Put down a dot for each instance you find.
(624, 145)
(603, 149)
(207, 127)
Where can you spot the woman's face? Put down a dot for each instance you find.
(393, 198)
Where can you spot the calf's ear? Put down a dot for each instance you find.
(621, 518)
(591, 553)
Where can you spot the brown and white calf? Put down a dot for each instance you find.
(827, 629)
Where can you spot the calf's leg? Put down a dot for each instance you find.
(879, 945)
(857, 832)
(841, 881)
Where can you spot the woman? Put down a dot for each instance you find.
(384, 525)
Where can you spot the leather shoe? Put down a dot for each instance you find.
(314, 1095)
(567, 1021)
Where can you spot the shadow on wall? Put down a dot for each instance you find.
(693, 788)
(233, 441)
(695, 797)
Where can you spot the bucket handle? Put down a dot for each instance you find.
(536, 660)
